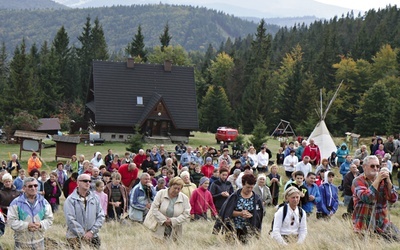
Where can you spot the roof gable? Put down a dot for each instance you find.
(117, 87)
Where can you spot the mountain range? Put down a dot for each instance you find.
(30, 4)
(252, 8)
(193, 28)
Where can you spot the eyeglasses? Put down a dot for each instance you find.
(374, 166)
(292, 223)
(86, 181)
(31, 186)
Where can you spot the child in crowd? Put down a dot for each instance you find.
(170, 175)
(214, 177)
(274, 181)
(299, 184)
(280, 156)
(103, 197)
(319, 180)
(196, 175)
(329, 197)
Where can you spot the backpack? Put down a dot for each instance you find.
(285, 209)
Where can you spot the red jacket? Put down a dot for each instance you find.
(313, 152)
(207, 170)
(201, 200)
(138, 160)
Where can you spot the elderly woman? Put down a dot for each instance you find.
(13, 166)
(233, 177)
(188, 186)
(8, 193)
(290, 221)
(169, 210)
(242, 212)
(263, 191)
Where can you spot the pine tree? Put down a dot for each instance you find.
(4, 67)
(86, 55)
(100, 51)
(215, 111)
(20, 92)
(259, 133)
(49, 80)
(165, 38)
(136, 47)
(62, 56)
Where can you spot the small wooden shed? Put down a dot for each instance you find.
(30, 141)
(65, 145)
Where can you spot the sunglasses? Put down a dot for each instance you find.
(375, 166)
(31, 186)
(292, 223)
(86, 181)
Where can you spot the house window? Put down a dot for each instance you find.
(121, 136)
(139, 100)
(112, 136)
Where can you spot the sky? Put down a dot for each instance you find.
(362, 4)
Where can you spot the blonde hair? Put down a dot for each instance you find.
(291, 190)
(176, 181)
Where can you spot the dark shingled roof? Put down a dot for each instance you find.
(116, 88)
(49, 124)
(64, 138)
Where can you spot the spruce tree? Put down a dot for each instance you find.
(136, 47)
(165, 37)
(100, 51)
(215, 110)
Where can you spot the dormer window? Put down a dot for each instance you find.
(139, 100)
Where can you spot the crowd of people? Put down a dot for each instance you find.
(200, 184)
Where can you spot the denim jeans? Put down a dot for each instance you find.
(347, 199)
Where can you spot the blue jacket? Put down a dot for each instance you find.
(345, 168)
(314, 191)
(299, 152)
(341, 153)
(156, 157)
(137, 197)
(328, 204)
(186, 158)
(18, 183)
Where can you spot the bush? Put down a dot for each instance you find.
(21, 121)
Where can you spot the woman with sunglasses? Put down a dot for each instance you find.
(290, 221)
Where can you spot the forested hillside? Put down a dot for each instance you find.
(30, 4)
(191, 27)
(246, 82)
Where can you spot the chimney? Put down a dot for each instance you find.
(130, 63)
(167, 65)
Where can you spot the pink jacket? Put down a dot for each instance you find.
(103, 197)
(201, 200)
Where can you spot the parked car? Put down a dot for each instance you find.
(226, 134)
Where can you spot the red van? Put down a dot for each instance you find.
(226, 134)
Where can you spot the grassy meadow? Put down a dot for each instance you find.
(333, 234)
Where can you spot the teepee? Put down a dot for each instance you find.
(322, 137)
